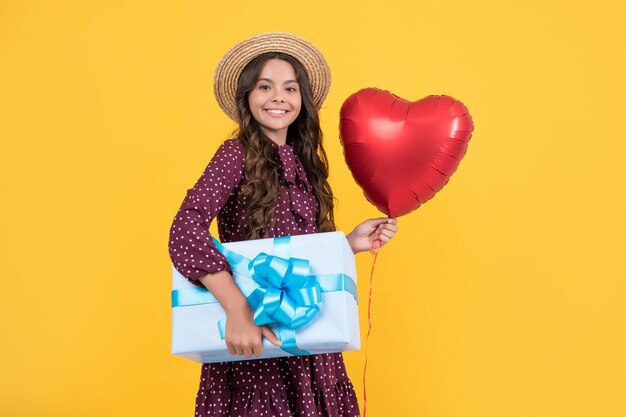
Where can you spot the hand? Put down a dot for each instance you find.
(361, 237)
(245, 338)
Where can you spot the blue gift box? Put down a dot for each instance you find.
(303, 287)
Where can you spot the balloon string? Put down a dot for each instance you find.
(373, 251)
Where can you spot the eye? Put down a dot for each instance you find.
(292, 89)
(264, 87)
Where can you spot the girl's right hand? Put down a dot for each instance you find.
(243, 337)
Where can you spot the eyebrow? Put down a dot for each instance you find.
(270, 81)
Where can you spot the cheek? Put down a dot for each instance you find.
(251, 100)
(297, 109)
(298, 103)
(254, 104)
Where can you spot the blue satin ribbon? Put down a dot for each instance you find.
(278, 288)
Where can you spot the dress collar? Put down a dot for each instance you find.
(292, 169)
(292, 172)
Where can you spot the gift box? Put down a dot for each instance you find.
(303, 287)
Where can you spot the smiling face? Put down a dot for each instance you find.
(275, 100)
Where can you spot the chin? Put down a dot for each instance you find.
(278, 126)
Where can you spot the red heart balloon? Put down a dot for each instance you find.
(401, 153)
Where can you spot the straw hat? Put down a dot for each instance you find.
(232, 64)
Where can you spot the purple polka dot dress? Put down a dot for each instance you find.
(315, 385)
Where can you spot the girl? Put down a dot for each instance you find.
(269, 181)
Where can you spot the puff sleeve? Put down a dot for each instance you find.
(190, 246)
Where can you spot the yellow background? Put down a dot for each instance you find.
(501, 297)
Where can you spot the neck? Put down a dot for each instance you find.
(278, 138)
(279, 143)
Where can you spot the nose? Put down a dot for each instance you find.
(278, 97)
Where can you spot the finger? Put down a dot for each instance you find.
(247, 351)
(383, 239)
(386, 229)
(391, 227)
(238, 350)
(392, 220)
(378, 221)
(269, 335)
(231, 349)
(257, 350)
(387, 233)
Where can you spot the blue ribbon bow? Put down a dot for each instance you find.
(286, 293)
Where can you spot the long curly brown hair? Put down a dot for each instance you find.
(261, 188)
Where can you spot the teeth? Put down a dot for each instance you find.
(276, 111)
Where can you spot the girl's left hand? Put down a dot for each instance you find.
(361, 237)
